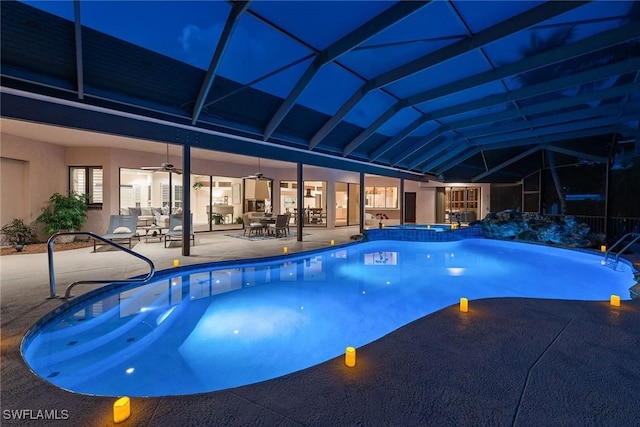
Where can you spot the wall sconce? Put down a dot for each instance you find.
(464, 305)
(615, 300)
(350, 357)
(121, 409)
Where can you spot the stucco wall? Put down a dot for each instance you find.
(44, 172)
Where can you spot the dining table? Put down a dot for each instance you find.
(264, 219)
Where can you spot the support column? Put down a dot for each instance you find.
(362, 200)
(300, 219)
(186, 200)
(401, 201)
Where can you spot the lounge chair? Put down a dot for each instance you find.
(175, 230)
(280, 226)
(121, 228)
(251, 226)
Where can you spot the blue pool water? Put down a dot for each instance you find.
(209, 328)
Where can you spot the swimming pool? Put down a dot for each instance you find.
(212, 327)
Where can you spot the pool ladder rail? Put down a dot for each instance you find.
(67, 294)
(635, 237)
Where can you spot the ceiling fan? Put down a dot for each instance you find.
(258, 176)
(164, 167)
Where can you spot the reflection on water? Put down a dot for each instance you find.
(204, 328)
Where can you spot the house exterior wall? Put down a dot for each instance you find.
(44, 170)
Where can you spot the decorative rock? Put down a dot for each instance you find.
(561, 230)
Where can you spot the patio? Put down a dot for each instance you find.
(506, 362)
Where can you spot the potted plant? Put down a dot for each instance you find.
(197, 185)
(217, 218)
(239, 220)
(64, 213)
(380, 217)
(18, 232)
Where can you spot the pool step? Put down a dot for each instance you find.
(612, 264)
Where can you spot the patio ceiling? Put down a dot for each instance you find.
(463, 90)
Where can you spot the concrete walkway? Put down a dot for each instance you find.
(506, 362)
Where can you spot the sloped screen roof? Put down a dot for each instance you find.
(460, 89)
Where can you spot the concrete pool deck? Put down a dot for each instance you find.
(509, 361)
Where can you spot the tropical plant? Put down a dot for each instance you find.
(64, 212)
(18, 232)
(217, 217)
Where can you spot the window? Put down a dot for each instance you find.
(462, 201)
(381, 197)
(87, 180)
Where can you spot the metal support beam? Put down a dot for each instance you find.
(186, 200)
(381, 22)
(554, 119)
(399, 137)
(544, 107)
(444, 164)
(237, 9)
(590, 44)
(549, 130)
(579, 154)
(362, 202)
(434, 138)
(517, 23)
(77, 26)
(505, 164)
(300, 198)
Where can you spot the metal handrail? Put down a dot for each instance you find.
(620, 240)
(67, 294)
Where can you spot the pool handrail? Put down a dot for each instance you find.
(620, 240)
(67, 294)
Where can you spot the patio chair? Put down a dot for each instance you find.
(175, 230)
(250, 226)
(280, 226)
(288, 214)
(121, 228)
